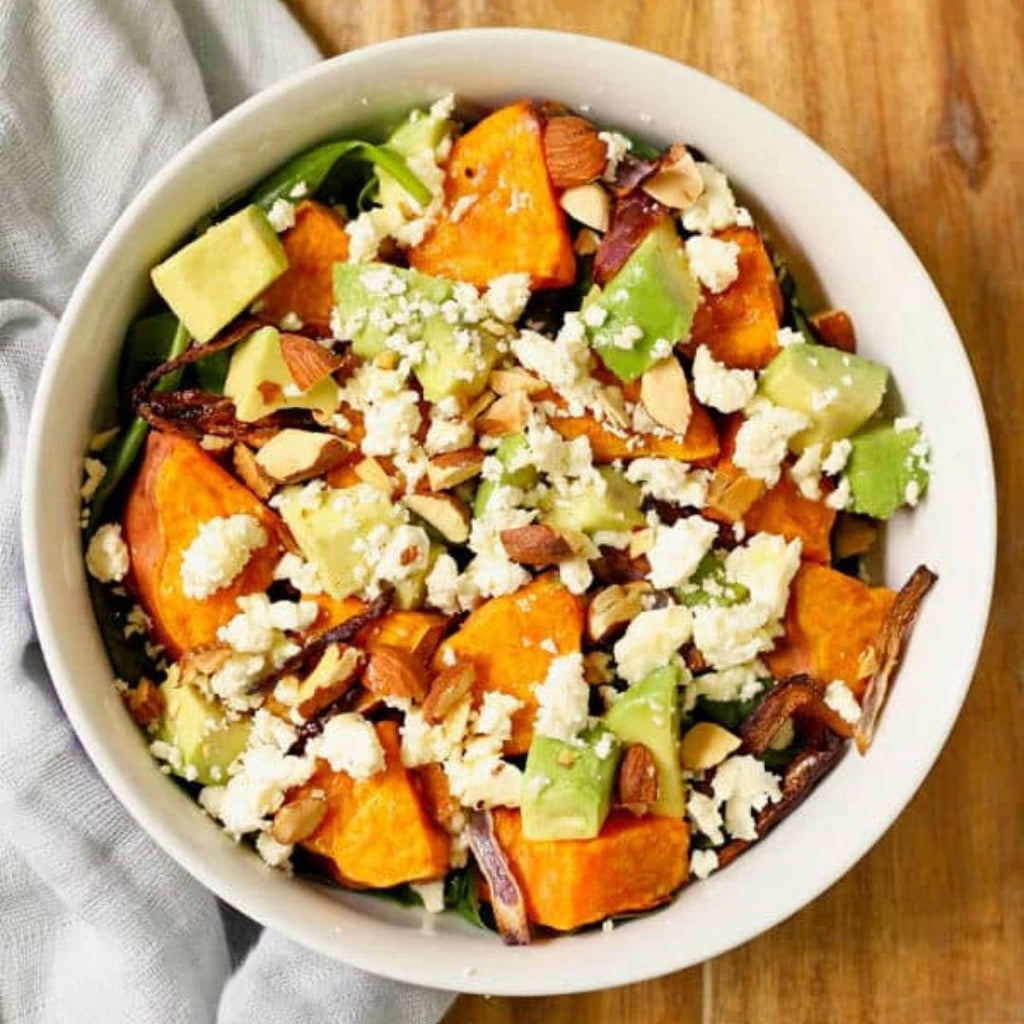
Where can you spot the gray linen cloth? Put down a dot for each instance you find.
(96, 923)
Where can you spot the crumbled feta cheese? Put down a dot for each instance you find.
(765, 565)
(507, 296)
(563, 699)
(786, 336)
(107, 558)
(364, 238)
(839, 697)
(447, 590)
(290, 322)
(912, 493)
(391, 423)
(670, 480)
(447, 435)
(94, 472)
(651, 640)
(713, 262)
(277, 855)
(617, 146)
(349, 743)
(719, 387)
(626, 337)
(702, 863)
(443, 108)
(715, 208)
(763, 439)
(744, 785)
(703, 812)
(404, 555)
(576, 574)
(219, 552)
(838, 455)
(594, 316)
(561, 365)
(741, 682)
(806, 472)
(302, 575)
(905, 423)
(840, 497)
(281, 215)
(255, 629)
(678, 550)
(823, 398)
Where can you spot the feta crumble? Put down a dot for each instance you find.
(719, 387)
(670, 480)
(839, 697)
(506, 296)
(281, 215)
(349, 743)
(563, 699)
(651, 640)
(219, 552)
(107, 557)
(715, 208)
(763, 439)
(702, 863)
(678, 549)
(713, 263)
(616, 146)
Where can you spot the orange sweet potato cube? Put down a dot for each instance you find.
(782, 509)
(514, 224)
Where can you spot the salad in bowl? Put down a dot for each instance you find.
(483, 520)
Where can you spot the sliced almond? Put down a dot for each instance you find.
(292, 456)
(637, 785)
(371, 472)
(392, 672)
(587, 242)
(214, 444)
(308, 363)
(508, 415)
(298, 819)
(251, 473)
(334, 675)
(665, 396)
(677, 182)
(573, 151)
(705, 745)
(536, 545)
(445, 512)
(505, 382)
(144, 701)
(479, 405)
(590, 205)
(613, 608)
(641, 541)
(450, 686)
(612, 404)
(453, 468)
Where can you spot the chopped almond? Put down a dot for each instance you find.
(677, 182)
(573, 151)
(640, 542)
(392, 672)
(614, 607)
(445, 512)
(536, 545)
(144, 701)
(706, 745)
(251, 473)
(835, 328)
(449, 687)
(292, 456)
(308, 362)
(371, 472)
(334, 675)
(477, 407)
(298, 819)
(590, 205)
(638, 779)
(508, 415)
(665, 396)
(587, 242)
(453, 468)
(505, 382)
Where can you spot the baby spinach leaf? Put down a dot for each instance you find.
(146, 346)
(212, 370)
(311, 168)
(460, 895)
(128, 660)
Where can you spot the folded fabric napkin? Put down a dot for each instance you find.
(96, 923)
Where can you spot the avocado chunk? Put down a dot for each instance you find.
(567, 787)
(201, 732)
(330, 526)
(609, 502)
(419, 131)
(709, 586)
(213, 279)
(512, 449)
(836, 391)
(379, 302)
(648, 713)
(258, 381)
(886, 468)
(654, 292)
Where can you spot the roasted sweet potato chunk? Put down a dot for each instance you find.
(315, 243)
(831, 621)
(177, 489)
(784, 510)
(377, 832)
(634, 864)
(739, 325)
(502, 640)
(514, 223)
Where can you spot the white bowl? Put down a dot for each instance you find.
(821, 215)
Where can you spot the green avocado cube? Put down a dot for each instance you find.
(208, 282)
(610, 502)
(648, 713)
(258, 381)
(199, 729)
(709, 586)
(887, 468)
(567, 786)
(653, 298)
(512, 449)
(838, 392)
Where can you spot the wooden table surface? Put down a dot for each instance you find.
(920, 100)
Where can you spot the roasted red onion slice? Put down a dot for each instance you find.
(797, 695)
(506, 897)
(633, 217)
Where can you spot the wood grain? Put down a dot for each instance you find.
(920, 100)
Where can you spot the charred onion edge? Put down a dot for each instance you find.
(631, 172)
(506, 896)
(889, 648)
(796, 695)
(302, 663)
(802, 774)
(633, 218)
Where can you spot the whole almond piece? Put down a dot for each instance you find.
(298, 820)
(677, 182)
(836, 329)
(292, 456)
(251, 473)
(638, 779)
(307, 362)
(453, 468)
(391, 672)
(614, 607)
(508, 415)
(665, 396)
(536, 545)
(445, 512)
(590, 205)
(573, 152)
(450, 686)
